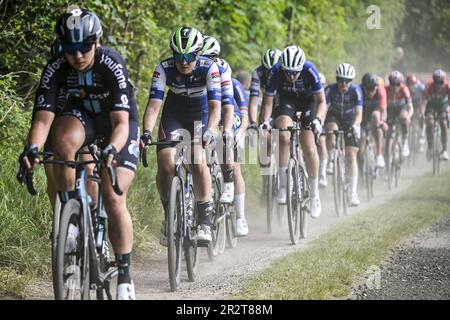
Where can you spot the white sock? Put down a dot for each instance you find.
(354, 183)
(239, 204)
(323, 167)
(314, 186)
(282, 174)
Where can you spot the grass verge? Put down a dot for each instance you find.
(327, 269)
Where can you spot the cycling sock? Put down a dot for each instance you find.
(123, 266)
(323, 167)
(228, 175)
(282, 174)
(239, 204)
(204, 212)
(354, 183)
(314, 186)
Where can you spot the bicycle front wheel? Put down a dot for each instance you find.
(174, 239)
(293, 201)
(72, 255)
(337, 186)
(190, 246)
(217, 245)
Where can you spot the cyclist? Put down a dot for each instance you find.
(435, 99)
(399, 104)
(345, 105)
(211, 49)
(100, 104)
(298, 85)
(259, 82)
(194, 95)
(374, 113)
(417, 88)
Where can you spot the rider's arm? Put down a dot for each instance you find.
(359, 105)
(40, 128)
(242, 101)
(409, 102)
(255, 89)
(382, 103)
(213, 88)
(227, 100)
(155, 99)
(120, 129)
(272, 85)
(321, 103)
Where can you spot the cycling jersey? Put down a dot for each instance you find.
(90, 97)
(187, 95)
(437, 95)
(225, 81)
(344, 105)
(377, 102)
(398, 98)
(102, 89)
(417, 93)
(259, 81)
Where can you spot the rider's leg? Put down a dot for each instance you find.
(377, 132)
(331, 144)
(350, 154)
(283, 121)
(443, 119)
(404, 120)
(323, 156)
(202, 185)
(165, 174)
(308, 143)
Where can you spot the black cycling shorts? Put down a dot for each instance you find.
(345, 125)
(290, 107)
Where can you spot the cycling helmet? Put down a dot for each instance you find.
(370, 80)
(411, 79)
(79, 25)
(270, 58)
(186, 40)
(345, 71)
(292, 59)
(395, 78)
(322, 78)
(439, 76)
(211, 47)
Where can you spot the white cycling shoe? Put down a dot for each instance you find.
(125, 291)
(444, 155)
(204, 233)
(354, 200)
(228, 193)
(241, 227)
(323, 181)
(315, 208)
(281, 196)
(330, 167)
(380, 161)
(405, 149)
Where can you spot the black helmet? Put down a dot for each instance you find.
(79, 25)
(370, 80)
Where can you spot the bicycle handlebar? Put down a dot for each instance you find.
(143, 154)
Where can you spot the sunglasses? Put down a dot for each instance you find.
(189, 57)
(343, 81)
(72, 48)
(291, 73)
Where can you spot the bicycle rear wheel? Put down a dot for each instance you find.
(304, 200)
(56, 218)
(190, 246)
(293, 201)
(174, 238)
(72, 255)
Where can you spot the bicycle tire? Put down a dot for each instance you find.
(78, 263)
(389, 163)
(56, 218)
(304, 201)
(293, 201)
(190, 247)
(174, 238)
(344, 185)
(231, 228)
(217, 245)
(336, 187)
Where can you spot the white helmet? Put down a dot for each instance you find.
(323, 80)
(292, 58)
(270, 58)
(186, 40)
(345, 71)
(211, 47)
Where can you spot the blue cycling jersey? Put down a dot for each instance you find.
(344, 104)
(302, 89)
(259, 81)
(187, 94)
(240, 100)
(417, 93)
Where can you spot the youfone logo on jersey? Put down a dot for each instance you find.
(117, 70)
(49, 71)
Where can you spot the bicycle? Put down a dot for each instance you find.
(82, 264)
(298, 193)
(181, 224)
(393, 153)
(369, 168)
(437, 146)
(340, 184)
